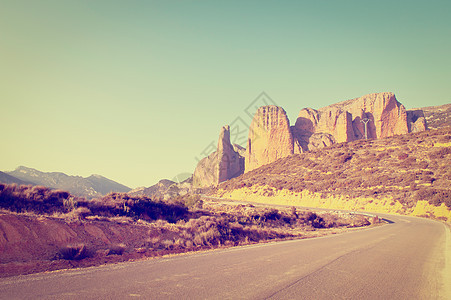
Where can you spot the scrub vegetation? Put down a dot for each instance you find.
(42, 229)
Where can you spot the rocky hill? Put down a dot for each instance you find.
(92, 186)
(164, 189)
(408, 174)
(6, 178)
(437, 116)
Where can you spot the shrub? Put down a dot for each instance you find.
(118, 204)
(403, 156)
(360, 221)
(312, 219)
(73, 252)
(116, 249)
(36, 199)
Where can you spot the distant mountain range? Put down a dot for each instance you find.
(89, 187)
(5, 178)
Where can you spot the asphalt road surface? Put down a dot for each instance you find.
(407, 259)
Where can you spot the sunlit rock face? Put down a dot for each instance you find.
(270, 137)
(223, 164)
(380, 113)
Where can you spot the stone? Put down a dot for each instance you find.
(270, 137)
(344, 121)
(223, 164)
(416, 120)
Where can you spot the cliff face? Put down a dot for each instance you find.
(380, 113)
(223, 164)
(270, 137)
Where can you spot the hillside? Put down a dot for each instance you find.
(6, 178)
(437, 116)
(92, 186)
(164, 189)
(396, 174)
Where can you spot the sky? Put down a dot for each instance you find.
(137, 91)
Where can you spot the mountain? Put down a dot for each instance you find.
(5, 178)
(104, 185)
(90, 187)
(375, 115)
(407, 174)
(164, 189)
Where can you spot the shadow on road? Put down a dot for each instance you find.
(388, 221)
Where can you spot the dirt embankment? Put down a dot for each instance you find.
(31, 244)
(35, 243)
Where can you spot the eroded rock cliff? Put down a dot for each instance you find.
(223, 164)
(270, 137)
(380, 113)
(372, 116)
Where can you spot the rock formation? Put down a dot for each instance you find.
(223, 164)
(416, 120)
(380, 113)
(270, 137)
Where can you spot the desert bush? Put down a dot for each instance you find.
(360, 221)
(440, 153)
(116, 249)
(192, 201)
(434, 196)
(73, 252)
(312, 219)
(344, 158)
(330, 220)
(403, 156)
(118, 204)
(36, 199)
(293, 212)
(423, 164)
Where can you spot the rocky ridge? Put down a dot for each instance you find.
(223, 164)
(164, 189)
(373, 116)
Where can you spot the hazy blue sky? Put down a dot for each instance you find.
(135, 90)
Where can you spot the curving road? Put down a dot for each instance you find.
(407, 259)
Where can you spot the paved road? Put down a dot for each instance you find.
(402, 260)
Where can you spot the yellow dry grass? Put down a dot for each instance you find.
(269, 195)
(442, 145)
